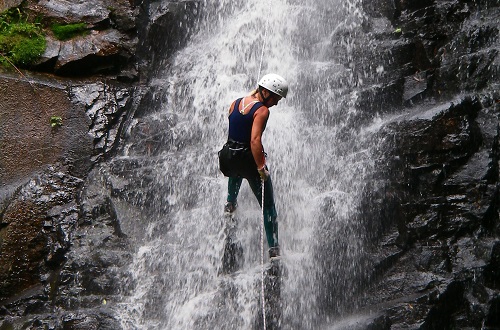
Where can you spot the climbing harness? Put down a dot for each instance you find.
(262, 259)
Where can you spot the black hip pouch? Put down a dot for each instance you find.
(236, 160)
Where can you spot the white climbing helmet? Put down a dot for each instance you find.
(274, 83)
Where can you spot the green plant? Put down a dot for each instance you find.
(55, 121)
(21, 42)
(10, 15)
(68, 31)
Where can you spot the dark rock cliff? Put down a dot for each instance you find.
(432, 210)
(61, 243)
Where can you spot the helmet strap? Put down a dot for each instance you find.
(264, 99)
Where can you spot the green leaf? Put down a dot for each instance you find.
(55, 121)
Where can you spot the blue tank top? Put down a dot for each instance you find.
(240, 126)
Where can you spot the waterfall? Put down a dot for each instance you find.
(319, 158)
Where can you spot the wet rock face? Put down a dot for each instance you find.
(108, 48)
(176, 17)
(118, 13)
(108, 106)
(6, 4)
(435, 51)
(439, 246)
(36, 230)
(61, 249)
(28, 142)
(49, 228)
(123, 36)
(432, 212)
(63, 254)
(92, 118)
(101, 52)
(434, 222)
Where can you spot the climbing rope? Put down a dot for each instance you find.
(262, 249)
(263, 48)
(262, 259)
(262, 295)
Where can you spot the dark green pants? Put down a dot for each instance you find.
(270, 215)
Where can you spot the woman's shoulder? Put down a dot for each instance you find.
(262, 110)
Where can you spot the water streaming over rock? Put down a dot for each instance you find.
(319, 156)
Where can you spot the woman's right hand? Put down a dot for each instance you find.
(264, 173)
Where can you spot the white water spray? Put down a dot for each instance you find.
(318, 160)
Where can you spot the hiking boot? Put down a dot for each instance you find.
(230, 207)
(274, 252)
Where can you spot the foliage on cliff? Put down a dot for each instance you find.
(68, 31)
(21, 42)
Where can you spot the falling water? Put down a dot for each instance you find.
(319, 156)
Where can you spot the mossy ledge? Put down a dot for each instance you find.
(21, 42)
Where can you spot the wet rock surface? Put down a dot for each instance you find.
(177, 17)
(434, 223)
(432, 211)
(101, 52)
(61, 243)
(63, 252)
(108, 47)
(442, 229)
(28, 141)
(74, 255)
(92, 117)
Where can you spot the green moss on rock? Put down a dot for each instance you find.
(21, 42)
(68, 31)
